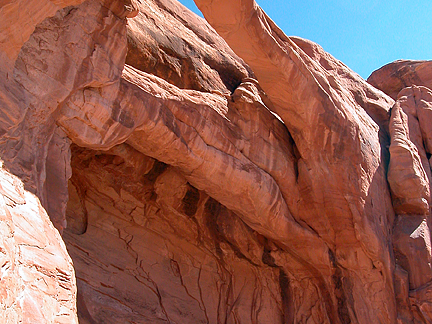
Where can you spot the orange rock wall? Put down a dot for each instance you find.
(192, 185)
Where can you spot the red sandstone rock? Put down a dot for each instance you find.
(409, 177)
(37, 276)
(409, 170)
(198, 194)
(327, 122)
(18, 19)
(169, 41)
(397, 75)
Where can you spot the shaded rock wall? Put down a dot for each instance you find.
(191, 187)
(182, 256)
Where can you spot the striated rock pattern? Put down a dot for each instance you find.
(37, 276)
(190, 56)
(329, 124)
(194, 186)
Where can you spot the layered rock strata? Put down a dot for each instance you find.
(194, 187)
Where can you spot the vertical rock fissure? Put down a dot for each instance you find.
(287, 300)
(337, 278)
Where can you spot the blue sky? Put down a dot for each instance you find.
(364, 34)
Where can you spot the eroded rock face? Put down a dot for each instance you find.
(327, 121)
(202, 266)
(190, 56)
(409, 171)
(395, 76)
(37, 275)
(194, 187)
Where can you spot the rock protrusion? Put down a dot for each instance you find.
(395, 76)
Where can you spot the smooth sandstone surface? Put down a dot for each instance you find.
(395, 76)
(248, 178)
(327, 122)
